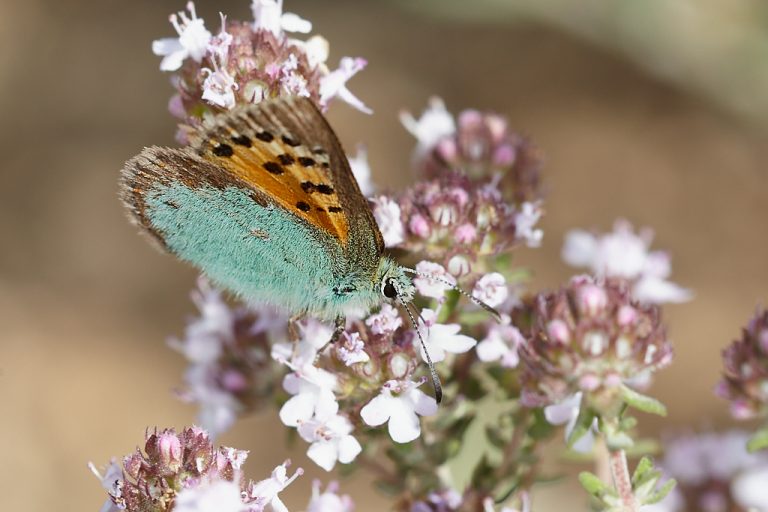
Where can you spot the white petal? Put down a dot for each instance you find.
(277, 505)
(403, 424)
(377, 411)
(454, 343)
(491, 349)
(349, 448)
(565, 411)
(324, 454)
(580, 248)
(346, 96)
(423, 403)
(166, 46)
(326, 405)
(435, 350)
(221, 496)
(658, 291)
(294, 23)
(173, 61)
(297, 409)
(750, 489)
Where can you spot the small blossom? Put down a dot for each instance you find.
(218, 496)
(626, 255)
(447, 500)
(112, 482)
(442, 338)
(314, 335)
(491, 289)
(432, 279)
(749, 489)
(525, 222)
(501, 343)
(330, 500)
(386, 321)
(351, 350)
(192, 41)
(387, 215)
(745, 374)
(334, 84)
(219, 88)
(268, 15)
(566, 413)
(434, 124)
(398, 404)
(312, 390)
(331, 441)
(264, 495)
(361, 170)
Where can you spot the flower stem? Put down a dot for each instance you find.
(622, 480)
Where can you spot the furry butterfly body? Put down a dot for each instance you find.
(265, 204)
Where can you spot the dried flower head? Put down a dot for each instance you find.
(745, 374)
(591, 337)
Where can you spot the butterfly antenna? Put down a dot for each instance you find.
(432, 371)
(468, 295)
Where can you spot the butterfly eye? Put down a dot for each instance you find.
(389, 291)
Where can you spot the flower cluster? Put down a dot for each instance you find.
(745, 376)
(591, 337)
(624, 254)
(480, 197)
(228, 349)
(714, 472)
(247, 62)
(184, 472)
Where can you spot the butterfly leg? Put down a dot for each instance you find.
(338, 328)
(294, 335)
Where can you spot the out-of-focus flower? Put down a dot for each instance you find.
(524, 504)
(192, 41)
(228, 348)
(331, 440)
(176, 470)
(442, 338)
(268, 15)
(501, 344)
(386, 321)
(745, 374)
(590, 336)
(434, 124)
(447, 500)
(264, 495)
(491, 289)
(351, 349)
(526, 219)
(330, 500)
(387, 215)
(566, 413)
(361, 170)
(433, 280)
(626, 255)
(714, 473)
(398, 404)
(334, 84)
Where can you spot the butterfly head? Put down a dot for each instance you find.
(394, 284)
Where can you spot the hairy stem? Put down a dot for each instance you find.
(622, 481)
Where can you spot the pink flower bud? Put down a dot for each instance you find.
(447, 150)
(612, 380)
(234, 381)
(589, 382)
(626, 316)
(169, 450)
(504, 155)
(558, 331)
(591, 299)
(465, 234)
(459, 266)
(419, 225)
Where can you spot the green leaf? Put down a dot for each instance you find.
(582, 426)
(759, 441)
(474, 443)
(644, 467)
(661, 493)
(642, 402)
(592, 484)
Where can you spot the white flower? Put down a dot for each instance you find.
(399, 403)
(567, 412)
(334, 84)
(386, 321)
(750, 490)
(329, 501)
(432, 279)
(624, 254)
(434, 124)
(219, 87)
(351, 350)
(387, 215)
(525, 222)
(218, 496)
(265, 493)
(111, 480)
(491, 289)
(192, 41)
(268, 15)
(442, 338)
(361, 170)
(312, 390)
(314, 336)
(331, 440)
(501, 343)
(316, 49)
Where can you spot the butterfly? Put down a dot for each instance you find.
(263, 201)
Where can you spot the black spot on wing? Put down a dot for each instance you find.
(305, 161)
(241, 140)
(334, 209)
(324, 189)
(273, 167)
(265, 136)
(223, 150)
(286, 159)
(301, 205)
(290, 141)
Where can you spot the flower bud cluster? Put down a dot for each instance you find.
(745, 374)
(590, 337)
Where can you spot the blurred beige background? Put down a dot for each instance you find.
(667, 134)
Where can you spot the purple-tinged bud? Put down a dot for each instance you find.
(465, 234)
(504, 156)
(419, 226)
(459, 266)
(558, 331)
